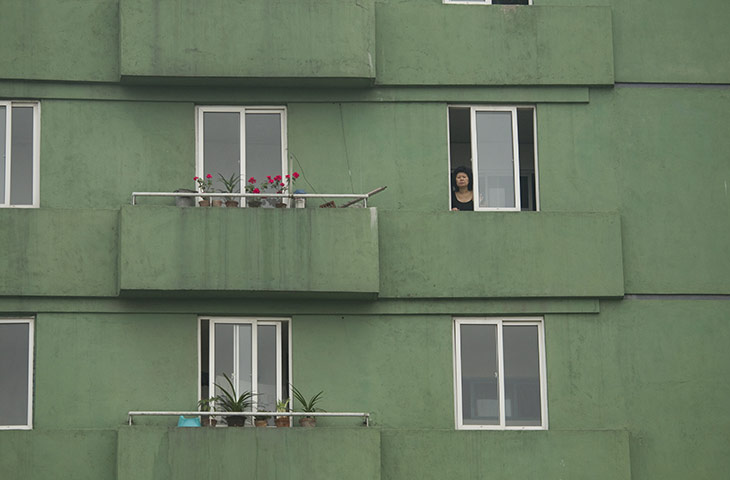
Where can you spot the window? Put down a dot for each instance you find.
(19, 147)
(253, 352)
(247, 141)
(498, 145)
(16, 373)
(491, 2)
(500, 373)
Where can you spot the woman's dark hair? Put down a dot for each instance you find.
(465, 170)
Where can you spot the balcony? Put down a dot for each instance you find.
(312, 252)
(508, 255)
(434, 44)
(254, 42)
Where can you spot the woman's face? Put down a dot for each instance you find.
(462, 180)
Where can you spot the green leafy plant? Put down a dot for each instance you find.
(229, 401)
(282, 405)
(230, 184)
(307, 405)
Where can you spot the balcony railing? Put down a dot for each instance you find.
(355, 198)
(365, 416)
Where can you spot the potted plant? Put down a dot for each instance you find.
(307, 406)
(282, 406)
(230, 185)
(206, 405)
(261, 420)
(282, 185)
(205, 185)
(229, 401)
(252, 188)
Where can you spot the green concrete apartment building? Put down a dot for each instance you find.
(576, 325)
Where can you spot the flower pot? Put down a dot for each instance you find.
(280, 205)
(208, 421)
(217, 203)
(204, 202)
(261, 423)
(231, 203)
(236, 421)
(184, 201)
(282, 421)
(253, 203)
(307, 422)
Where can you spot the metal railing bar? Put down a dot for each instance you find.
(132, 414)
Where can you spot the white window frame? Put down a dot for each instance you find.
(254, 322)
(242, 111)
(474, 2)
(473, 109)
(500, 322)
(5, 202)
(31, 322)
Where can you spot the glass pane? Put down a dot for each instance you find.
(263, 145)
(479, 375)
(221, 145)
(245, 358)
(521, 375)
(267, 367)
(223, 354)
(21, 164)
(14, 348)
(3, 125)
(495, 157)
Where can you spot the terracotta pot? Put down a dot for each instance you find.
(308, 422)
(231, 203)
(253, 203)
(236, 421)
(261, 423)
(206, 421)
(282, 421)
(281, 205)
(204, 203)
(217, 203)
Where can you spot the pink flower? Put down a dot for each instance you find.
(209, 176)
(277, 178)
(271, 180)
(295, 175)
(268, 176)
(256, 190)
(287, 176)
(251, 180)
(195, 178)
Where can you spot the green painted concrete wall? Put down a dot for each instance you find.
(60, 252)
(672, 41)
(46, 454)
(261, 453)
(95, 154)
(505, 455)
(91, 369)
(659, 157)
(68, 40)
(470, 254)
(434, 44)
(289, 39)
(220, 250)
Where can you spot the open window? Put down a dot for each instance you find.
(19, 157)
(16, 374)
(252, 352)
(245, 141)
(499, 366)
(498, 144)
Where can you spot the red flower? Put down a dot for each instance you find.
(271, 180)
(209, 176)
(195, 178)
(295, 175)
(256, 190)
(251, 180)
(277, 178)
(268, 176)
